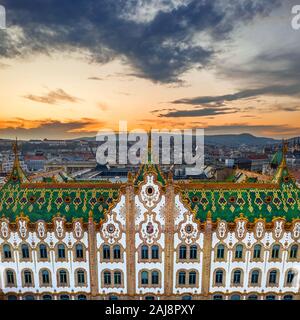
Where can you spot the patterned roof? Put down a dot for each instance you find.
(227, 201)
(44, 200)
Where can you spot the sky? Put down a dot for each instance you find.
(71, 68)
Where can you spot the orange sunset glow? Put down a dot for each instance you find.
(57, 85)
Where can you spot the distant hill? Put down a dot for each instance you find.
(228, 140)
(221, 140)
(238, 139)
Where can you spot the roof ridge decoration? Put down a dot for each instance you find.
(149, 167)
(17, 175)
(282, 174)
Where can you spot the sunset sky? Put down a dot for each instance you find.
(69, 68)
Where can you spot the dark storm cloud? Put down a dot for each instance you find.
(292, 90)
(160, 49)
(199, 112)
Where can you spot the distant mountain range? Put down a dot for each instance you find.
(223, 140)
(229, 140)
(239, 139)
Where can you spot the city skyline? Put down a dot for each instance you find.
(67, 71)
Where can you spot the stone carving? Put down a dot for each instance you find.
(150, 193)
(240, 229)
(4, 230)
(77, 227)
(150, 230)
(23, 231)
(222, 229)
(41, 230)
(188, 230)
(59, 228)
(111, 230)
(259, 229)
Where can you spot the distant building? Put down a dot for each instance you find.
(35, 162)
(229, 163)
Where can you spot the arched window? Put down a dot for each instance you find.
(155, 252)
(6, 251)
(220, 251)
(182, 252)
(113, 298)
(61, 251)
(12, 297)
(144, 277)
(235, 297)
(79, 251)
(290, 277)
(82, 297)
(27, 277)
(219, 277)
(117, 252)
(117, 278)
(10, 278)
(193, 252)
(29, 297)
(192, 278)
(187, 298)
(80, 277)
(106, 252)
(254, 277)
(237, 276)
(275, 251)
(273, 277)
(217, 297)
(181, 277)
(45, 277)
(107, 278)
(144, 252)
(294, 251)
(64, 297)
(47, 297)
(155, 277)
(63, 278)
(43, 251)
(239, 251)
(288, 297)
(270, 297)
(253, 297)
(25, 251)
(257, 251)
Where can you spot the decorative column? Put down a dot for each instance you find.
(130, 239)
(207, 248)
(169, 238)
(93, 261)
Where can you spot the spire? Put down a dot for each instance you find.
(149, 147)
(17, 174)
(282, 173)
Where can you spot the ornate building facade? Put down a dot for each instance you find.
(149, 238)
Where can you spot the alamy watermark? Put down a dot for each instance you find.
(296, 17)
(2, 18)
(164, 147)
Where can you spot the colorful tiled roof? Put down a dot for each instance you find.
(225, 200)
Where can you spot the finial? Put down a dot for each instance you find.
(209, 215)
(129, 177)
(15, 147)
(149, 146)
(91, 214)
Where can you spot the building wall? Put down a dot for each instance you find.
(151, 215)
